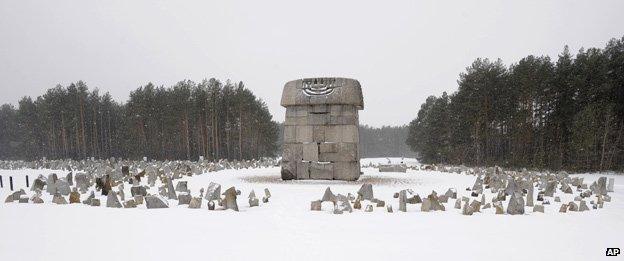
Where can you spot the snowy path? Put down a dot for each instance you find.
(286, 229)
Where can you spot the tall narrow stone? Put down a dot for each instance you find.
(610, 185)
(171, 194)
(529, 200)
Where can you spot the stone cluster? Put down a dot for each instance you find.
(349, 203)
(518, 188)
(106, 180)
(510, 192)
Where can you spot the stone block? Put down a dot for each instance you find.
(302, 111)
(310, 152)
(292, 152)
(318, 134)
(321, 171)
(289, 170)
(304, 134)
(291, 111)
(343, 152)
(290, 121)
(290, 134)
(328, 147)
(336, 109)
(332, 133)
(318, 119)
(346, 170)
(343, 120)
(319, 108)
(303, 170)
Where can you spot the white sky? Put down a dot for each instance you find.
(401, 51)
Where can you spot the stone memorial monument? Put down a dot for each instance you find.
(321, 129)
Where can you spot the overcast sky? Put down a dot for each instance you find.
(400, 51)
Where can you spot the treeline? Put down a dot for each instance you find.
(537, 113)
(188, 120)
(387, 141)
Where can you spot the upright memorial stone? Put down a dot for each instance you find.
(321, 129)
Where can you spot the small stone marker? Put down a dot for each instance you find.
(529, 199)
(89, 198)
(516, 204)
(170, 190)
(138, 199)
(315, 205)
(467, 210)
(195, 202)
(538, 208)
(112, 201)
(62, 187)
(37, 200)
(426, 205)
(583, 206)
(59, 199)
(213, 192)
(138, 190)
(38, 184)
(451, 193)
(475, 206)
(342, 204)
(184, 199)
(182, 186)
(366, 191)
(153, 201)
(550, 188)
(130, 204)
(74, 197)
(267, 195)
(230, 199)
(610, 185)
(328, 196)
(253, 201)
(498, 205)
(357, 204)
(599, 187)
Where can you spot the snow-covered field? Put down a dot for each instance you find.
(286, 229)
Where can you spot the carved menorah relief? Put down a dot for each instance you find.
(319, 86)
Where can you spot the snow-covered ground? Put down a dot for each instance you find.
(411, 162)
(286, 229)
